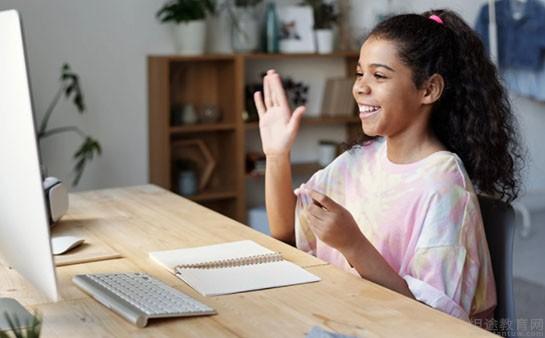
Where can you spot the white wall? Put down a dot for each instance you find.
(107, 42)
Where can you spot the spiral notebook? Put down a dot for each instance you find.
(231, 268)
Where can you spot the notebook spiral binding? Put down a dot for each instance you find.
(234, 262)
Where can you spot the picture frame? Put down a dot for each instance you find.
(296, 29)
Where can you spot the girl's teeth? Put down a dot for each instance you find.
(367, 109)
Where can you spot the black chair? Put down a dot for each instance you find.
(499, 225)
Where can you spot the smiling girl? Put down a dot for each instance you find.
(400, 209)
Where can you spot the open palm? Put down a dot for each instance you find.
(278, 126)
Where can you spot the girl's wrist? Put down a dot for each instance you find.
(277, 156)
(356, 249)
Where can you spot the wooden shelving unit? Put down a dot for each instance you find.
(201, 128)
(214, 80)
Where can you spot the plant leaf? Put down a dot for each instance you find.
(83, 155)
(72, 86)
(32, 330)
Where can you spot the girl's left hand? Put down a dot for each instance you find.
(332, 223)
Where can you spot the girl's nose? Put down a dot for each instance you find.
(363, 89)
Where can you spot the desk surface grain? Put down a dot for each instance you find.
(137, 220)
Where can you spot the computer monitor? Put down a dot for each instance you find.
(24, 229)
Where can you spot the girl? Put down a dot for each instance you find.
(399, 209)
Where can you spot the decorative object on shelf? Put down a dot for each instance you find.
(296, 92)
(325, 19)
(196, 151)
(209, 113)
(324, 41)
(271, 30)
(219, 25)
(90, 147)
(189, 17)
(296, 29)
(189, 115)
(327, 151)
(245, 28)
(188, 183)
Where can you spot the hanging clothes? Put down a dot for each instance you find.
(521, 42)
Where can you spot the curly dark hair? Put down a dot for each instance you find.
(473, 116)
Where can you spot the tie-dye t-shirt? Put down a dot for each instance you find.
(423, 217)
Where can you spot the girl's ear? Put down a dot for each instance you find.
(433, 88)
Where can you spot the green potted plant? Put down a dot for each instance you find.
(70, 87)
(325, 19)
(20, 329)
(188, 17)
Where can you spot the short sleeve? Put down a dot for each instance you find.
(437, 277)
(445, 269)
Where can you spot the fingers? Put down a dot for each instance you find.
(323, 200)
(278, 95)
(296, 117)
(267, 91)
(317, 212)
(258, 100)
(275, 96)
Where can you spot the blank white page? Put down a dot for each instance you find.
(220, 281)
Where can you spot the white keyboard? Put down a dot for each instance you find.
(137, 297)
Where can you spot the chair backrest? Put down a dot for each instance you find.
(499, 226)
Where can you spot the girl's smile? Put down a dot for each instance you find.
(367, 111)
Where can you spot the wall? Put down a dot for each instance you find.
(107, 42)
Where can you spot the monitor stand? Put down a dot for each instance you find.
(15, 310)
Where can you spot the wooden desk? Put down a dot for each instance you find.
(137, 220)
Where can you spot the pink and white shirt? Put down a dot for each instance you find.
(423, 217)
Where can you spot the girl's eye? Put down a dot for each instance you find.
(379, 76)
(359, 74)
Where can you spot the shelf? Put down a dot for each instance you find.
(212, 196)
(197, 128)
(194, 58)
(315, 121)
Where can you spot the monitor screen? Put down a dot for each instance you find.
(24, 230)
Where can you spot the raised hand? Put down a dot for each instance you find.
(278, 126)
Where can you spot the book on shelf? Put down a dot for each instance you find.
(231, 268)
(337, 99)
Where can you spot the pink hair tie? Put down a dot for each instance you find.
(436, 19)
